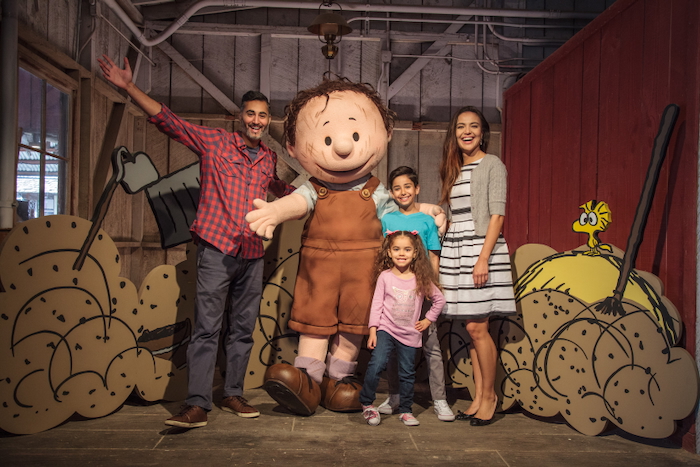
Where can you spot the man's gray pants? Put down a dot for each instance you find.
(220, 275)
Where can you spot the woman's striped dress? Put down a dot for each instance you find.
(460, 250)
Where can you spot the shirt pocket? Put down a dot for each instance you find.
(231, 166)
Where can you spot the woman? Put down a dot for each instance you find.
(474, 264)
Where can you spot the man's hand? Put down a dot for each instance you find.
(115, 75)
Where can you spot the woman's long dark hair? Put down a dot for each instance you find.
(451, 164)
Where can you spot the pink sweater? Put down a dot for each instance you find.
(396, 308)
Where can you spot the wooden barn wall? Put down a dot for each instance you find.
(581, 126)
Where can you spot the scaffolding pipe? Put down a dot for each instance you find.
(8, 111)
(410, 9)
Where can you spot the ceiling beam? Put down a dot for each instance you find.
(199, 78)
(439, 47)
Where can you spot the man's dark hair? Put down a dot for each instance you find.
(403, 170)
(254, 96)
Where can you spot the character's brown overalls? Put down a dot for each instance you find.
(333, 291)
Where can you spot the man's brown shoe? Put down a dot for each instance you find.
(292, 388)
(239, 405)
(341, 396)
(191, 416)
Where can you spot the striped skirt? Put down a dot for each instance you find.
(460, 250)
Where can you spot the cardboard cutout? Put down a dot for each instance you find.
(77, 338)
(80, 341)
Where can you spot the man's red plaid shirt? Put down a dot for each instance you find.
(229, 183)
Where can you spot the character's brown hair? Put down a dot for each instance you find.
(451, 164)
(328, 86)
(421, 267)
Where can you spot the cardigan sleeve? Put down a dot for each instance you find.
(497, 188)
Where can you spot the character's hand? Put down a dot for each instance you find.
(440, 220)
(437, 213)
(423, 324)
(264, 219)
(480, 274)
(115, 75)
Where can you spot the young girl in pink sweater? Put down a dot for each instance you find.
(404, 278)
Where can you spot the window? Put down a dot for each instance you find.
(43, 118)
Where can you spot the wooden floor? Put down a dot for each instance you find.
(136, 436)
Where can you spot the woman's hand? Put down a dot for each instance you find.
(480, 274)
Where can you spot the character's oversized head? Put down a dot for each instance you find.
(338, 130)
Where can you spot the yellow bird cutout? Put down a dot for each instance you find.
(595, 218)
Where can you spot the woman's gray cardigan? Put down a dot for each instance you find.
(488, 192)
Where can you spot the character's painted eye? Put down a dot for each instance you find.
(583, 220)
(328, 140)
(356, 136)
(593, 219)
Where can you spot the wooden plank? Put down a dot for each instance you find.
(517, 148)
(467, 80)
(430, 152)
(609, 135)
(247, 68)
(405, 102)
(157, 148)
(349, 61)
(566, 147)
(491, 90)
(370, 64)
(590, 143)
(537, 160)
(439, 47)
(61, 25)
(187, 98)
(160, 77)
(104, 159)
(435, 90)
(36, 16)
(682, 219)
(312, 64)
(218, 65)
(283, 77)
(265, 63)
(403, 150)
(655, 95)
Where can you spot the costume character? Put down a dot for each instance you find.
(339, 131)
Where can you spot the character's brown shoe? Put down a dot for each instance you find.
(341, 396)
(292, 388)
(191, 416)
(239, 405)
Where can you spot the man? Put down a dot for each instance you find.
(235, 169)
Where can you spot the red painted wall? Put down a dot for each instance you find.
(581, 126)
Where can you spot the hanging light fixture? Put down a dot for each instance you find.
(329, 26)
